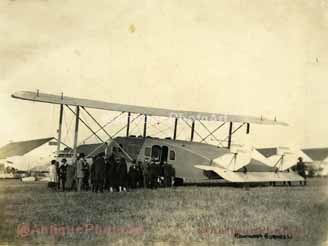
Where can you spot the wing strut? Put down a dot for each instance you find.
(95, 122)
(211, 133)
(103, 126)
(128, 125)
(192, 131)
(84, 123)
(248, 128)
(76, 132)
(145, 126)
(60, 127)
(112, 138)
(175, 129)
(192, 127)
(230, 135)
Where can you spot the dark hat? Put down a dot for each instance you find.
(81, 155)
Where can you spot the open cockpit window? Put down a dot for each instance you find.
(147, 151)
(156, 151)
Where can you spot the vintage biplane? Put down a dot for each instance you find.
(192, 160)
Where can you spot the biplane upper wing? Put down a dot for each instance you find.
(55, 99)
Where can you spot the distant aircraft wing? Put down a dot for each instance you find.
(317, 154)
(21, 148)
(251, 177)
(55, 99)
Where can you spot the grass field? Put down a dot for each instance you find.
(31, 214)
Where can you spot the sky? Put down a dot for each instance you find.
(243, 57)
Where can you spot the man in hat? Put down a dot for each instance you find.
(167, 173)
(133, 176)
(154, 174)
(86, 174)
(70, 177)
(99, 172)
(146, 174)
(80, 162)
(62, 173)
(111, 173)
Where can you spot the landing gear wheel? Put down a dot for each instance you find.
(178, 182)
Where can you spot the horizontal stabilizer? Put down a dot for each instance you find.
(233, 161)
(286, 158)
(240, 157)
(252, 177)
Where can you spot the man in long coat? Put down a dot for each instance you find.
(99, 172)
(122, 171)
(62, 173)
(79, 171)
(110, 173)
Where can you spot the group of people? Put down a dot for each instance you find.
(109, 173)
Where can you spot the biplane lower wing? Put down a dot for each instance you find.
(161, 112)
(252, 177)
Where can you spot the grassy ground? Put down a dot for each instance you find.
(31, 214)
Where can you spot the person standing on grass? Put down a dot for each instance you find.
(153, 175)
(122, 175)
(86, 174)
(70, 177)
(53, 177)
(99, 172)
(106, 180)
(109, 169)
(167, 173)
(92, 175)
(133, 175)
(57, 173)
(300, 168)
(111, 173)
(146, 174)
(139, 175)
(79, 171)
(116, 178)
(62, 173)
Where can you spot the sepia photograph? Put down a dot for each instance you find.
(164, 122)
